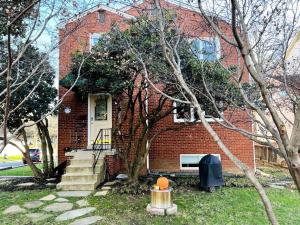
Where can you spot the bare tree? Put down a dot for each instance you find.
(172, 56)
(35, 20)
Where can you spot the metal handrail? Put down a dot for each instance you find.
(101, 143)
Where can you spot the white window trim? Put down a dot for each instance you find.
(90, 39)
(176, 120)
(214, 39)
(195, 168)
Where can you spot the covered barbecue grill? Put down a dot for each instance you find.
(210, 173)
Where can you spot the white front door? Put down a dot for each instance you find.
(100, 115)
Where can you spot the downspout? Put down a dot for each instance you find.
(147, 122)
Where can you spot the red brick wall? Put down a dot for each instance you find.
(114, 164)
(166, 149)
(75, 37)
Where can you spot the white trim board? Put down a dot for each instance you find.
(94, 9)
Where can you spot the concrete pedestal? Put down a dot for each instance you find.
(161, 203)
(172, 210)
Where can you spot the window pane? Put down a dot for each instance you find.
(190, 159)
(101, 108)
(94, 39)
(102, 16)
(183, 112)
(205, 49)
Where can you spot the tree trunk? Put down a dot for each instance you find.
(45, 131)
(37, 173)
(44, 150)
(140, 157)
(294, 168)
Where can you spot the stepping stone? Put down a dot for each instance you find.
(82, 203)
(74, 213)
(51, 179)
(59, 207)
(14, 209)
(276, 186)
(111, 183)
(106, 188)
(122, 176)
(35, 217)
(51, 185)
(101, 193)
(48, 198)
(61, 200)
(29, 184)
(87, 220)
(33, 204)
(73, 193)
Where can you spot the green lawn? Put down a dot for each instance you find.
(226, 206)
(11, 158)
(20, 171)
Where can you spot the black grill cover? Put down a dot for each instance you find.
(210, 172)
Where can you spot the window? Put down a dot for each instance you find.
(206, 49)
(101, 108)
(191, 161)
(283, 94)
(94, 38)
(101, 16)
(153, 10)
(184, 113)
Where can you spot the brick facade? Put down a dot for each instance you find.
(166, 149)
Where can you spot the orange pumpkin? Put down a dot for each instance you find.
(162, 183)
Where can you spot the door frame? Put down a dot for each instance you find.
(89, 144)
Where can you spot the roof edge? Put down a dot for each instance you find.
(94, 9)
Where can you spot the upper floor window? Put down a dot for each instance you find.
(206, 49)
(94, 38)
(153, 10)
(101, 16)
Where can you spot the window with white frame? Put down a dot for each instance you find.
(184, 113)
(94, 38)
(191, 161)
(206, 49)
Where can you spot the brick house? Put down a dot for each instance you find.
(174, 151)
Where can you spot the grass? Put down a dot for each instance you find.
(226, 206)
(20, 171)
(11, 158)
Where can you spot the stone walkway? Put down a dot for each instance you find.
(57, 205)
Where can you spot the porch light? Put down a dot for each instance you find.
(67, 110)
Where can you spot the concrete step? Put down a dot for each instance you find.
(83, 169)
(85, 162)
(71, 186)
(73, 177)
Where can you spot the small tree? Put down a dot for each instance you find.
(41, 99)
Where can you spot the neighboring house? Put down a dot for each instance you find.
(33, 140)
(80, 119)
(281, 98)
(11, 150)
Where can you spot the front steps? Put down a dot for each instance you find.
(79, 174)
